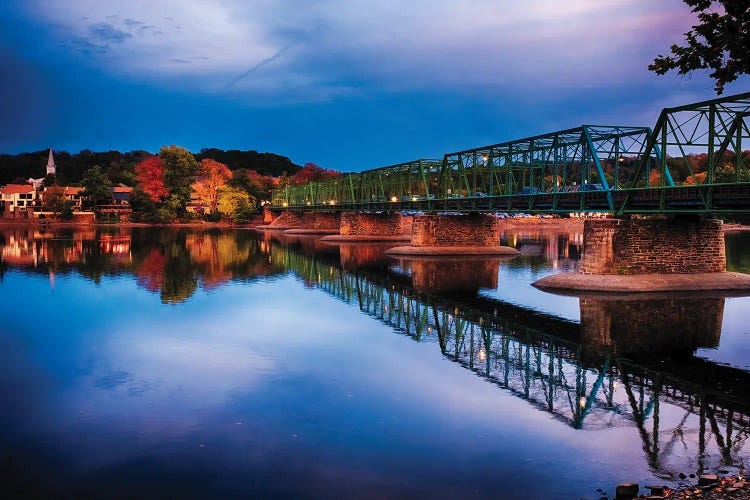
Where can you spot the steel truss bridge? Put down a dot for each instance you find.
(614, 169)
(670, 405)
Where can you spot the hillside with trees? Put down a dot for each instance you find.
(120, 167)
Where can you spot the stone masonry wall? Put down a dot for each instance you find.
(361, 224)
(286, 219)
(456, 230)
(268, 215)
(319, 220)
(615, 246)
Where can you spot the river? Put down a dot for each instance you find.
(140, 362)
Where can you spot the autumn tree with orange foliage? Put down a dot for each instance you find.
(212, 175)
(149, 174)
(698, 178)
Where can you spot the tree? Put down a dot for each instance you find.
(180, 169)
(95, 185)
(721, 42)
(149, 174)
(55, 202)
(312, 172)
(257, 186)
(212, 176)
(236, 204)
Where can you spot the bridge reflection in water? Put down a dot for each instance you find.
(617, 368)
(601, 374)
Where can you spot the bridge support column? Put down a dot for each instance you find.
(473, 234)
(317, 223)
(647, 255)
(373, 227)
(623, 247)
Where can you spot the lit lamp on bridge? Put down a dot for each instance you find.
(394, 199)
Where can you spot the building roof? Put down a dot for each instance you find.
(66, 190)
(122, 189)
(17, 189)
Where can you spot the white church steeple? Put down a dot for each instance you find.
(50, 163)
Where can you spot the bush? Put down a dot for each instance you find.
(212, 217)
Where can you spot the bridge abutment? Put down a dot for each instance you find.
(268, 215)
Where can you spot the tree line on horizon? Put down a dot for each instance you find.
(167, 184)
(120, 166)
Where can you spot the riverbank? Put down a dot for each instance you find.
(708, 487)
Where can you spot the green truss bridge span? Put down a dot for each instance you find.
(691, 161)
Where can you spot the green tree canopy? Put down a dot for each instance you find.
(236, 204)
(720, 42)
(95, 185)
(180, 170)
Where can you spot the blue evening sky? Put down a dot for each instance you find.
(347, 84)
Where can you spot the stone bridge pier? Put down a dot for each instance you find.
(373, 227)
(650, 255)
(472, 234)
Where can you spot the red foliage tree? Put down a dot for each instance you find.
(312, 172)
(150, 177)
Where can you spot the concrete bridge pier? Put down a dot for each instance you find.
(372, 227)
(650, 255)
(473, 234)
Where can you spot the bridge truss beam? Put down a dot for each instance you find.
(590, 168)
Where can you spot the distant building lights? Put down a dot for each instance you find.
(394, 199)
(285, 204)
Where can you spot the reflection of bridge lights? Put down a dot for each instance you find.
(615, 385)
(482, 355)
(582, 402)
(429, 329)
(394, 199)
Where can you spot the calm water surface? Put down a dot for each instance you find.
(141, 362)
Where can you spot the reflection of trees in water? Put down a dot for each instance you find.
(738, 258)
(171, 262)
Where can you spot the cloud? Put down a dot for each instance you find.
(107, 33)
(356, 45)
(258, 66)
